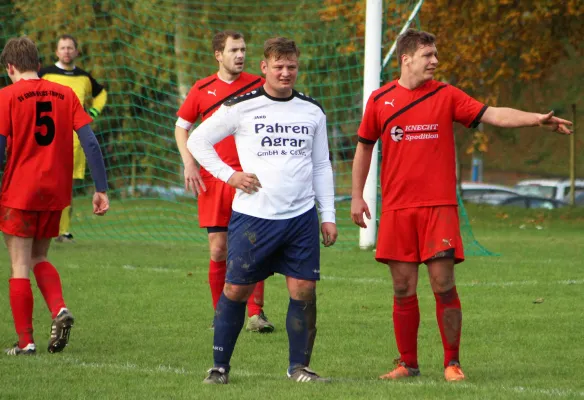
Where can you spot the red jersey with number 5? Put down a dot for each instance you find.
(38, 118)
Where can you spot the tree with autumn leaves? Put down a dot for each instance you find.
(499, 51)
(484, 46)
(489, 47)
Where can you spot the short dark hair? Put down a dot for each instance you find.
(22, 53)
(66, 36)
(280, 47)
(220, 39)
(409, 41)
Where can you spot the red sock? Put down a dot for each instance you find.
(49, 283)
(217, 270)
(449, 316)
(256, 300)
(21, 302)
(406, 320)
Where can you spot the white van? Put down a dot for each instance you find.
(557, 189)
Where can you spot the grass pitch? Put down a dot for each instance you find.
(143, 310)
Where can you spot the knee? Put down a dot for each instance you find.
(37, 259)
(304, 290)
(219, 252)
(442, 283)
(238, 293)
(403, 287)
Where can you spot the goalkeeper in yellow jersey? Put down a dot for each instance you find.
(91, 94)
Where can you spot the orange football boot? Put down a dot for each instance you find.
(453, 372)
(401, 371)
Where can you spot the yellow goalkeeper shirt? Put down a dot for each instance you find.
(90, 93)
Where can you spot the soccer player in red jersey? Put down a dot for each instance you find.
(215, 196)
(37, 119)
(413, 116)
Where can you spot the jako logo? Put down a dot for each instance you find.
(218, 348)
(259, 117)
(397, 133)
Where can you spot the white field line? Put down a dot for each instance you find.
(129, 267)
(167, 369)
(150, 269)
(380, 281)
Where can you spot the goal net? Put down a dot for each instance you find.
(147, 54)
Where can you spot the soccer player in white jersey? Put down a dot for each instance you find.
(282, 143)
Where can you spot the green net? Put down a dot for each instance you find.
(148, 53)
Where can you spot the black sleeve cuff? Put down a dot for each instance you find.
(477, 119)
(365, 141)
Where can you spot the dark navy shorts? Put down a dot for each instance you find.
(258, 248)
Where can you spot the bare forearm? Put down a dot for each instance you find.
(361, 165)
(181, 135)
(505, 117)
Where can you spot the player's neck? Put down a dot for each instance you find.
(67, 67)
(25, 76)
(277, 94)
(226, 76)
(410, 82)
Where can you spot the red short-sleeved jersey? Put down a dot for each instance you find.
(38, 118)
(205, 97)
(415, 126)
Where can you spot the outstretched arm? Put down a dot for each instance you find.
(505, 117)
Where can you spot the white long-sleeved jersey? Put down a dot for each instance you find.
(282, 141)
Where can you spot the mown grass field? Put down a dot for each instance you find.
(143, 311)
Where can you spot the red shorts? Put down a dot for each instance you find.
(418, 234)
(215, 204)
(29, 224)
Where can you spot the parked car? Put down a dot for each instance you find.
(579, 201)
(472, 192)
(485, 193)
(556, 189)
(532, 202)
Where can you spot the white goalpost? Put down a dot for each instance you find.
(371, 81)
